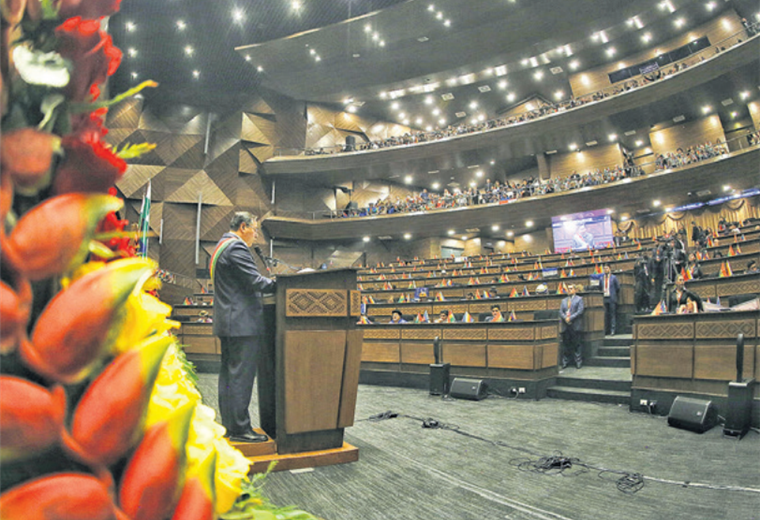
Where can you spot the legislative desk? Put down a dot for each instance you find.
(524, 352)
(725, 287)
(693, 355)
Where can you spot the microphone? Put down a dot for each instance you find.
(261, 256)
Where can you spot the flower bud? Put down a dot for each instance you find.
(75, 329)
(13, 317)
(53, 237)
(122, 389)
(152, 478)
(62, 496)
(31, 417)
(26, 155)
(197, 499)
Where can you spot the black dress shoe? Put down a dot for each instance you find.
(248, 437)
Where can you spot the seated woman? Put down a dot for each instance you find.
(680, 297)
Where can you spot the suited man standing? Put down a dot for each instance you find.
(611, 288)
(571, 326)
(238, 322)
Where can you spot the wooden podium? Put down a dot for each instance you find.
(309, 370)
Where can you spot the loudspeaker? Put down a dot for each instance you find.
(439, 378)
(472, 389)
(738, 415)
(692, 414)
(350, 143)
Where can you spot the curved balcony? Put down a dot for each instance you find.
(629, 195)
(518, 140)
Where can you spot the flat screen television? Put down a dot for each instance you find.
(582, 231)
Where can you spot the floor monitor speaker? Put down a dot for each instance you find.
(472, 389)
(696, 415)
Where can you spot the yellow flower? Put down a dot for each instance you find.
(231, 468)
(144, 315)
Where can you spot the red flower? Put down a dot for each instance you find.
(93, 54)
(87, 8)
(89, 166)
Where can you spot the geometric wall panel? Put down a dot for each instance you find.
(252, 131)
(135, 178)
(199, 183)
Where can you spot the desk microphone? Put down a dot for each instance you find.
(261, 256)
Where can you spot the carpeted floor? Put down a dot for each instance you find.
(408, 472)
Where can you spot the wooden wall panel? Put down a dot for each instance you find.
(464, 355)
(417, 353)
(716, 30)
(687, 134)
(511, 356)
(664, 361)
(381, 352)
(526, 105)
(564, 164)
(754, 112)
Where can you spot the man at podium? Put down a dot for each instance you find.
(238, 322)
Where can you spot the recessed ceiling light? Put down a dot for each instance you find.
(744, 95)
(447, 23)
(510, 233)
(464, 237)
(134, 75)
(401, 115)
(418, 121)
(247, 57)
(710, 6)
(132, 52)
(295, 5)
(237, 15)
(574, 64)
(395, 105)
(382, 43)
(317, 58)
(528, 223)
(503, 84)
(656, 203)
(473, 183)
(367, 28)
(406, 122)
(189, 50)
(511, 97)
(366, 239)
(436, 112)
(679, 22)
(451, 231)
(646, 37)
(559, 95)
(435, 185)
(408, 179)
(351, 108)
(431, 8)
(492, 163)
(481, 117)
(479, 173)
(439, 15)
(407, 236)
(473, 105)
(489, 71)
(495, 227)
(539, 75)
(573, 146)
(639, 142)
(612, 137)
(429, 100)
(181, 25)
(611, 51)
(196, 74)
(726, 187)
(442, 121)
(260, 69)
(706, 109)
(130, 26)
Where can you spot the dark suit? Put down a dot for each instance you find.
(239, 323)
(571, 332)
(610, 302)
(674, 302)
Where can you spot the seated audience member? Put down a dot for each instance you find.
(396, 317)
(752, 267)
(680, 295)
(495, 314)
(470, 296)
(542, 289)
(443, 317)
(493, 293)
(693, 267)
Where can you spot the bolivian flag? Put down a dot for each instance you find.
(439, 297)
(364, 321)
(598, 269)
(512, 316)
(498, 317)
(504, 278)
(187, 301)
(402, 298)
(725, 270)
(382, 277)
(387, 286)
(530, 277)
(572, 272)
(638, 246)
(451, 318)
(513, 294)
(626, 255)
(467, 318)
(360, 287)
(478, 295)
(731, 251)
(738, 249)
(562, 274)
(686, 274)
(561, 288)
(525, 291)
(425, 317)
(412, 285)
(418, 318)
(370, 299)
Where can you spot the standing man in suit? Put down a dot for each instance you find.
(238, 322)
(571, 325)
(611, 288)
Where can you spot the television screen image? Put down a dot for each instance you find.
(582, 231)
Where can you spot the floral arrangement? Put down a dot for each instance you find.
(100, 418)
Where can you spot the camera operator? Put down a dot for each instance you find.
(643, 283)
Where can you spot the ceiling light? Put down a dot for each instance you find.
(408, 179)
(612, 137)
(611, 51)
(510, 233)
(679, 22)
(474, 121)
(495, 227)
(528, 223)
(428, 128)
(382, 43)
(429, 100)
(464, 237)
(502, 84)
(473, 105)
(259, 69)
(489, 71)
(706, 109)
(295, 5)
(431, 7)
(317, 58)
(394, 105)
(510, 97)
(573, 146)
(744, 95)
(436, 112)
(407, 236)
(439, 15)
(574, 64)
(367, 28)
(710, 6)
(130, 26)
(479, 173)
(447, 23)
(247, 57)
(539, 75)
(646, 37)
(366, 239)
(189, 50)
(656, 203)
(418, 121)
(451, 232)
(435, 186)
(383, 94)
(726, 187)
(406, 122)
(401, 115)
(524, 61)
(481, 117)
(492, 163)
(196, 74)
(442, 121)
(134, 75)
(639, 142)
(132, 52)
(734, 114)
(559, 95)
(181, 25)
(351, 108)
(237, 15)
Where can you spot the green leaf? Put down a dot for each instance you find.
(50, 104)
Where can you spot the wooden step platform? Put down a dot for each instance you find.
(308, 459)
(256, 449)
